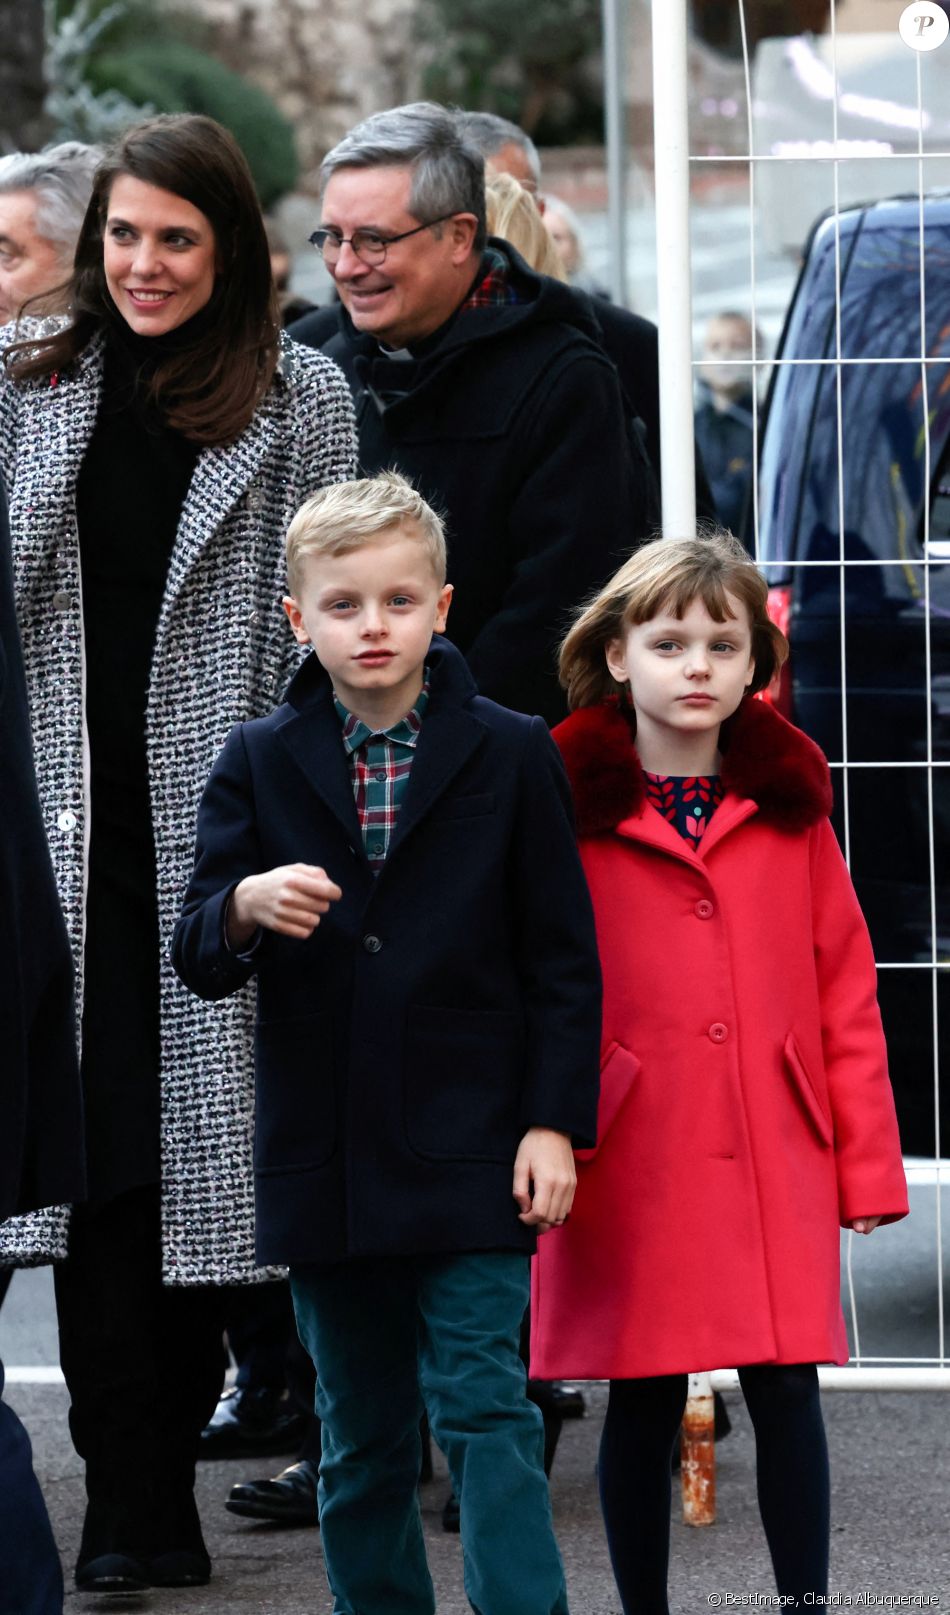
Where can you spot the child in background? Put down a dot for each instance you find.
(393, 857)
(725, 414)
(745, 1106)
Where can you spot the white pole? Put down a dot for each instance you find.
(674, 301)
(615, 100)
(872, 1378)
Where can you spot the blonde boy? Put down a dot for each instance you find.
(393, 857)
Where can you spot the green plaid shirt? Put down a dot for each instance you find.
(380, 761)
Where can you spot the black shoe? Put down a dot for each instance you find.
(252, 1423)
(451, 1514)
(289, 1499)
(180, 1567)
(113, 1573)
(568, 1401)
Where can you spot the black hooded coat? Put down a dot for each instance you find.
(512, 424)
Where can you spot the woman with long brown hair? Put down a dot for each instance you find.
(154, 447)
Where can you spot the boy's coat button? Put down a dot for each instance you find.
(62, 600)
(371, 944)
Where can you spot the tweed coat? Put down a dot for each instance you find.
(745, 1105)
(40, 1106)
(222, 653)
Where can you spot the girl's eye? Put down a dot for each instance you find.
(722, 645)
(666, 644)
(120, 232)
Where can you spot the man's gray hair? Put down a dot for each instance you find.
(62, 177)
(488, 134)
(448, 174)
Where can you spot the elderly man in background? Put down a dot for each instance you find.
(505, 148)
(43, 199)
(484, 383)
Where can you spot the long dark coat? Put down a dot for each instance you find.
(440, 1008)
(745, 1106)
(41, 1131)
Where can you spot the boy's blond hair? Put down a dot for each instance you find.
(668, 574)
(346, 515)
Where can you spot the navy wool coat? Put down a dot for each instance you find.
(439, 1010)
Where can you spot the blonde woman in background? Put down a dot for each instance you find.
(513, 214)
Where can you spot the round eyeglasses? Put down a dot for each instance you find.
(368, 245)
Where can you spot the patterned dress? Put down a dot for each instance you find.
(686, 801)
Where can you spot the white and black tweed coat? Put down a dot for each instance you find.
(223, 653)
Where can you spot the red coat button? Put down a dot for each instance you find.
(705, 909)
(718, 1033)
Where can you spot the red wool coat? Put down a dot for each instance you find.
(745, 1106)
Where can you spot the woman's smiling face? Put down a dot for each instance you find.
(159, 255)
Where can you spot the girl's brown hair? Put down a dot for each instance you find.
(668, 574)
(209, 389)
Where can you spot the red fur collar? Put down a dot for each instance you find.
(764, 757)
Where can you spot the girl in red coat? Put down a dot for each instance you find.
(745, 1106)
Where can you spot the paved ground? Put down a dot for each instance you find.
(891, 1461)
(891, 1468)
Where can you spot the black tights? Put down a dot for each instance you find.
(643, 1417)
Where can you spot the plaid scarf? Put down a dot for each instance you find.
(494, 289)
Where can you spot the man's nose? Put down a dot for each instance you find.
(348, 264)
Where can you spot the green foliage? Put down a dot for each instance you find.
(121, 23)
(104, 77)
(529, 63)
(75, 111)
(175, 77)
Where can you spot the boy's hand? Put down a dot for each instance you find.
(289, 900)
(865, 1225)
(545, 1178)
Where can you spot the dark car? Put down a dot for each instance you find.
(854, 536)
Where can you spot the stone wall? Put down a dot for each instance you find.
(327, 63)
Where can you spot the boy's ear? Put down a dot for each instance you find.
(295, 618)
(442, 608)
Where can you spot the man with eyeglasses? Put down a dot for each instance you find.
(484, 383)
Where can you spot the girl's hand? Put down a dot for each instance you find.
(290, 900)
(865, 1225)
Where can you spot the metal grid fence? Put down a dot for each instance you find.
(909, 585)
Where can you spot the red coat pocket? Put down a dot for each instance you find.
(805, 1089)
(619, 1070)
